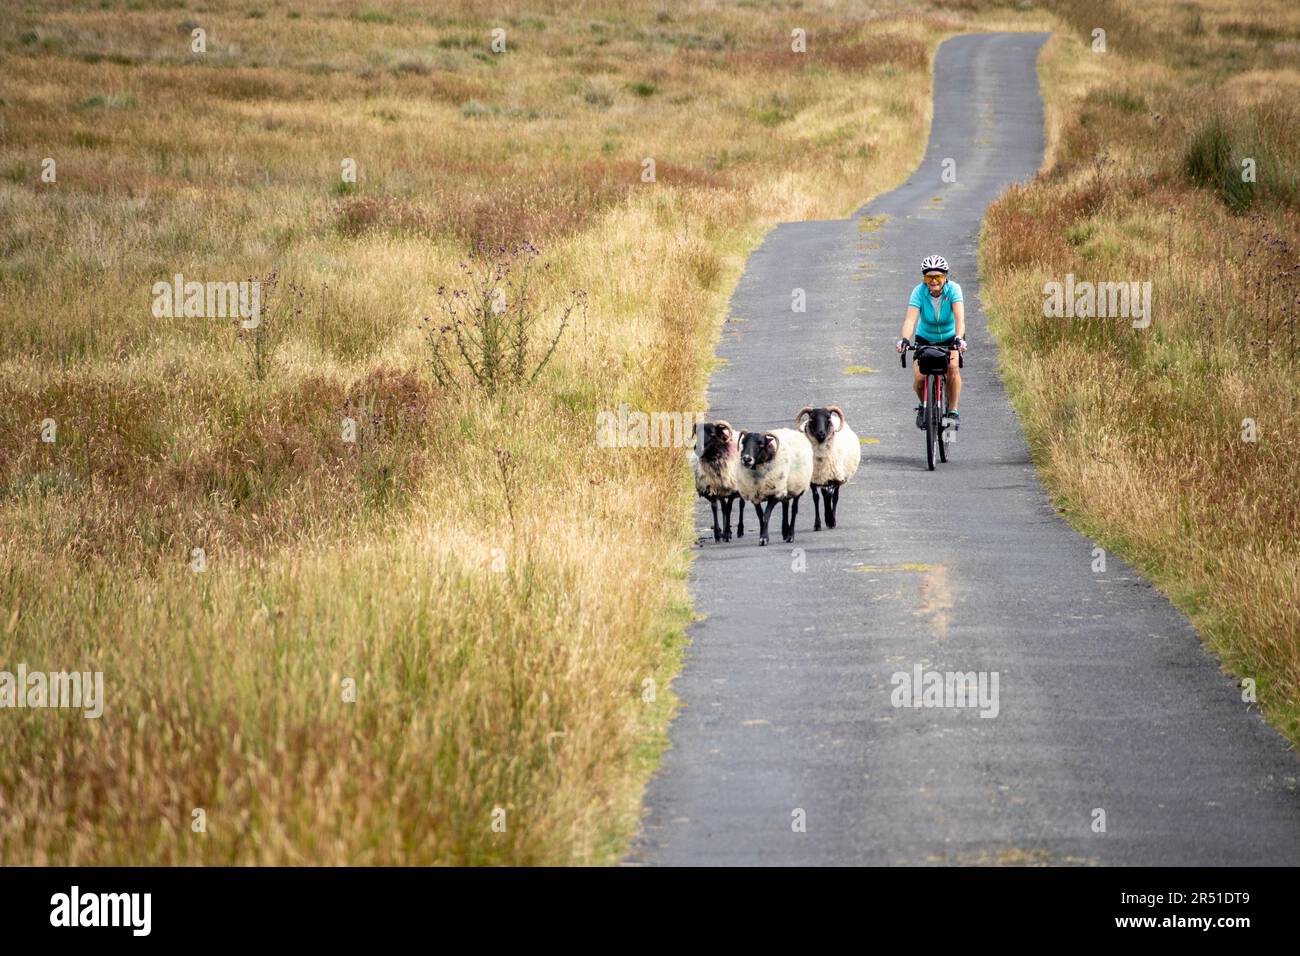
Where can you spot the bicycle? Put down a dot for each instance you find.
(934, 366)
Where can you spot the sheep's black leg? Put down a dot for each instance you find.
(828, 497)
(794, 513)
(764, 517)
(740, 524)
(835, 506)
(817, 513)
(726, 519)
(713, 504)
(785, 519)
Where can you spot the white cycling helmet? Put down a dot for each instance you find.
(934, 263)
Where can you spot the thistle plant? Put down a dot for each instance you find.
(261, 338)
(490, 322)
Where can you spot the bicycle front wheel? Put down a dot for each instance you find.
(931, 426)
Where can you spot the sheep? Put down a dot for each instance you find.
(774, 466)
(716, 457)
(836, 456)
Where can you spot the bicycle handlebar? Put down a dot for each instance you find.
(909, 347)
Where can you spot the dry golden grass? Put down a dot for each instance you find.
(1140, 433)
(500, 629)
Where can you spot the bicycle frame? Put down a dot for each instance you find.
(934, 385)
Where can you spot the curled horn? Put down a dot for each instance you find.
(722, 423)
(838, 411)
(806, 410)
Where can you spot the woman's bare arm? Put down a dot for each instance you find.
(909, 323)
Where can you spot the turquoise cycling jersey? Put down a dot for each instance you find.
(931, 326)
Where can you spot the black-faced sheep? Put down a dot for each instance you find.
(836, 456)
(774, 466)
(717, 457)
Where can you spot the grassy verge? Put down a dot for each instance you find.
(1175, 445)
(450, 638)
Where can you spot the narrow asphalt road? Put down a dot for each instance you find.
(788, 748)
